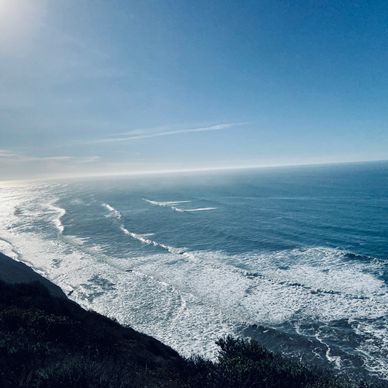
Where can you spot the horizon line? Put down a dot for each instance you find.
(188, 170)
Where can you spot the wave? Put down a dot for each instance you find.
(168, 204)
(309, 286)
(165, 203)
(206, 295)
(58, 214)
(145, 301)
(172, 206)
(8, 249)
(142, 238)
(200, 209)
(336, 360)
(112, 211)
(190, 298)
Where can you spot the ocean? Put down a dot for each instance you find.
(294, 257)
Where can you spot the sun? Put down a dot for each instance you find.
(10, 18)
(18, 20)
(8, 8)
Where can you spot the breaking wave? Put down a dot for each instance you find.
(298, 285)
(200, 209)
(172, 205)
(58, 214)
(143, 238)
(189, 298)
(112, 211)
(169, 204)
(8, 249)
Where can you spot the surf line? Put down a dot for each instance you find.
(60, 212)
(10, 249)
(143, 237)
(172, 205)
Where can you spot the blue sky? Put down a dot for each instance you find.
(99, 87)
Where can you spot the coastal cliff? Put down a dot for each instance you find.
(46, 340)
(15, 272)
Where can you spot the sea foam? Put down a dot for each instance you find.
(172, 205)
(58, 213)
(112, 211)
(143, 238)
(188, 299)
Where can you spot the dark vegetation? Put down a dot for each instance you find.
(47, 341)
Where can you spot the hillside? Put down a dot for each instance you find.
(50, 341)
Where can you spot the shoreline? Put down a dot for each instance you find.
(17, 274)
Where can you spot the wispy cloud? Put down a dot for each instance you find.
(157, 132)
(10, 156)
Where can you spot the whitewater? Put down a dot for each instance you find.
(295, 258)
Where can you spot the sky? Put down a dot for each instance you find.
(108, 87)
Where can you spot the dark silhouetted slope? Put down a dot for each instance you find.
(48, 341)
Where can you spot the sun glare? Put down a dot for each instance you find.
(18, 20)
(8, 9)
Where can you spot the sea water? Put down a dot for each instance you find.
(294, 257)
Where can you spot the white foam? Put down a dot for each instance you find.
(143, 239)
(144, 301)
(374, 346)
(8, 249)
(164, 203)
(112, 211)
(189, 299)
(172, 206)
(336, 360)
(169, 204)
(58, 214)
(275, 296)
(199, 209)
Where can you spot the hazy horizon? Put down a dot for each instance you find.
(213, 171)
(113, 88)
